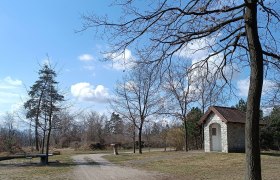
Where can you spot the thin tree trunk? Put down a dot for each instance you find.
(134, 145)
(30, 137)
(43, 142)
(252, 145)
(37, 121)
(48, 144)
(36, 134)
(186, 134)
(140, 140)
(202, 136)
(165, 144)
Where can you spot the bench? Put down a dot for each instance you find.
(42, 157)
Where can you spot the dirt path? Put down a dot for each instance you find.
(94, 167)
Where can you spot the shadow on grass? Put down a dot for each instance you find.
(51, 164)
(275, 154)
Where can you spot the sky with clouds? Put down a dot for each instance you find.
(35, 31)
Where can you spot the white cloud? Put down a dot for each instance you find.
(14, 82)
(86, 57)
(197, 51)
(86, 92)
(130, 85)
(9, 83)
(11, 92)
(243, 86)
(267, 111)
(17, 106)
(121, 61)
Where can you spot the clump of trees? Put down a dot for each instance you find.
(138, 98)
(270, 133)
(42, 107)
(11, 138)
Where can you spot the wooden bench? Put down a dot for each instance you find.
(42, 157)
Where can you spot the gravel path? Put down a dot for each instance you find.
(94, 167)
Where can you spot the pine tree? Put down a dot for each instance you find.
(241, 105)
(43, 105)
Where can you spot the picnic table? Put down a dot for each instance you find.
(42, 157)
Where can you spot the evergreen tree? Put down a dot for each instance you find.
(275, 125)
(195, 131)
(43, 105)
(116, 124)
(241, 105)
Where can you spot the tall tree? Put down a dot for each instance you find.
(44, 103)
(231, 31)
(179, 88)
(137, 98)
(33, 106)
(116, 125)
(194, 129)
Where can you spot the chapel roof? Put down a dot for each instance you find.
(227, 114)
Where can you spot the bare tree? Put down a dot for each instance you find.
(238, 31)
(271, 92)
(9, 139)
(93, 124)
(178, 85)
(137, 97)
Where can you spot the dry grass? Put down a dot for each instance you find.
(180, 165)
(60, 168)
(199, 165)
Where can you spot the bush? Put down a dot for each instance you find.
(97, 146)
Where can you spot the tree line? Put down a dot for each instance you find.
(234, 35)
(149, 111)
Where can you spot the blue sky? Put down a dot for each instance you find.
(31, 30)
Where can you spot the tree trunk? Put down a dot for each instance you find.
(134, 145)
(48, 145)
(252, 145)
(43, 142)
(202, 136)
(36, 134)
(37, 121)
(140, 140)
(48, 136)
(30, 137)
(186, 134)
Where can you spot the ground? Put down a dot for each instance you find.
(149, 165)
(94, 166)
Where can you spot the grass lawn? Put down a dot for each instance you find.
(199, 165)
(60, 168)
(180, 165)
